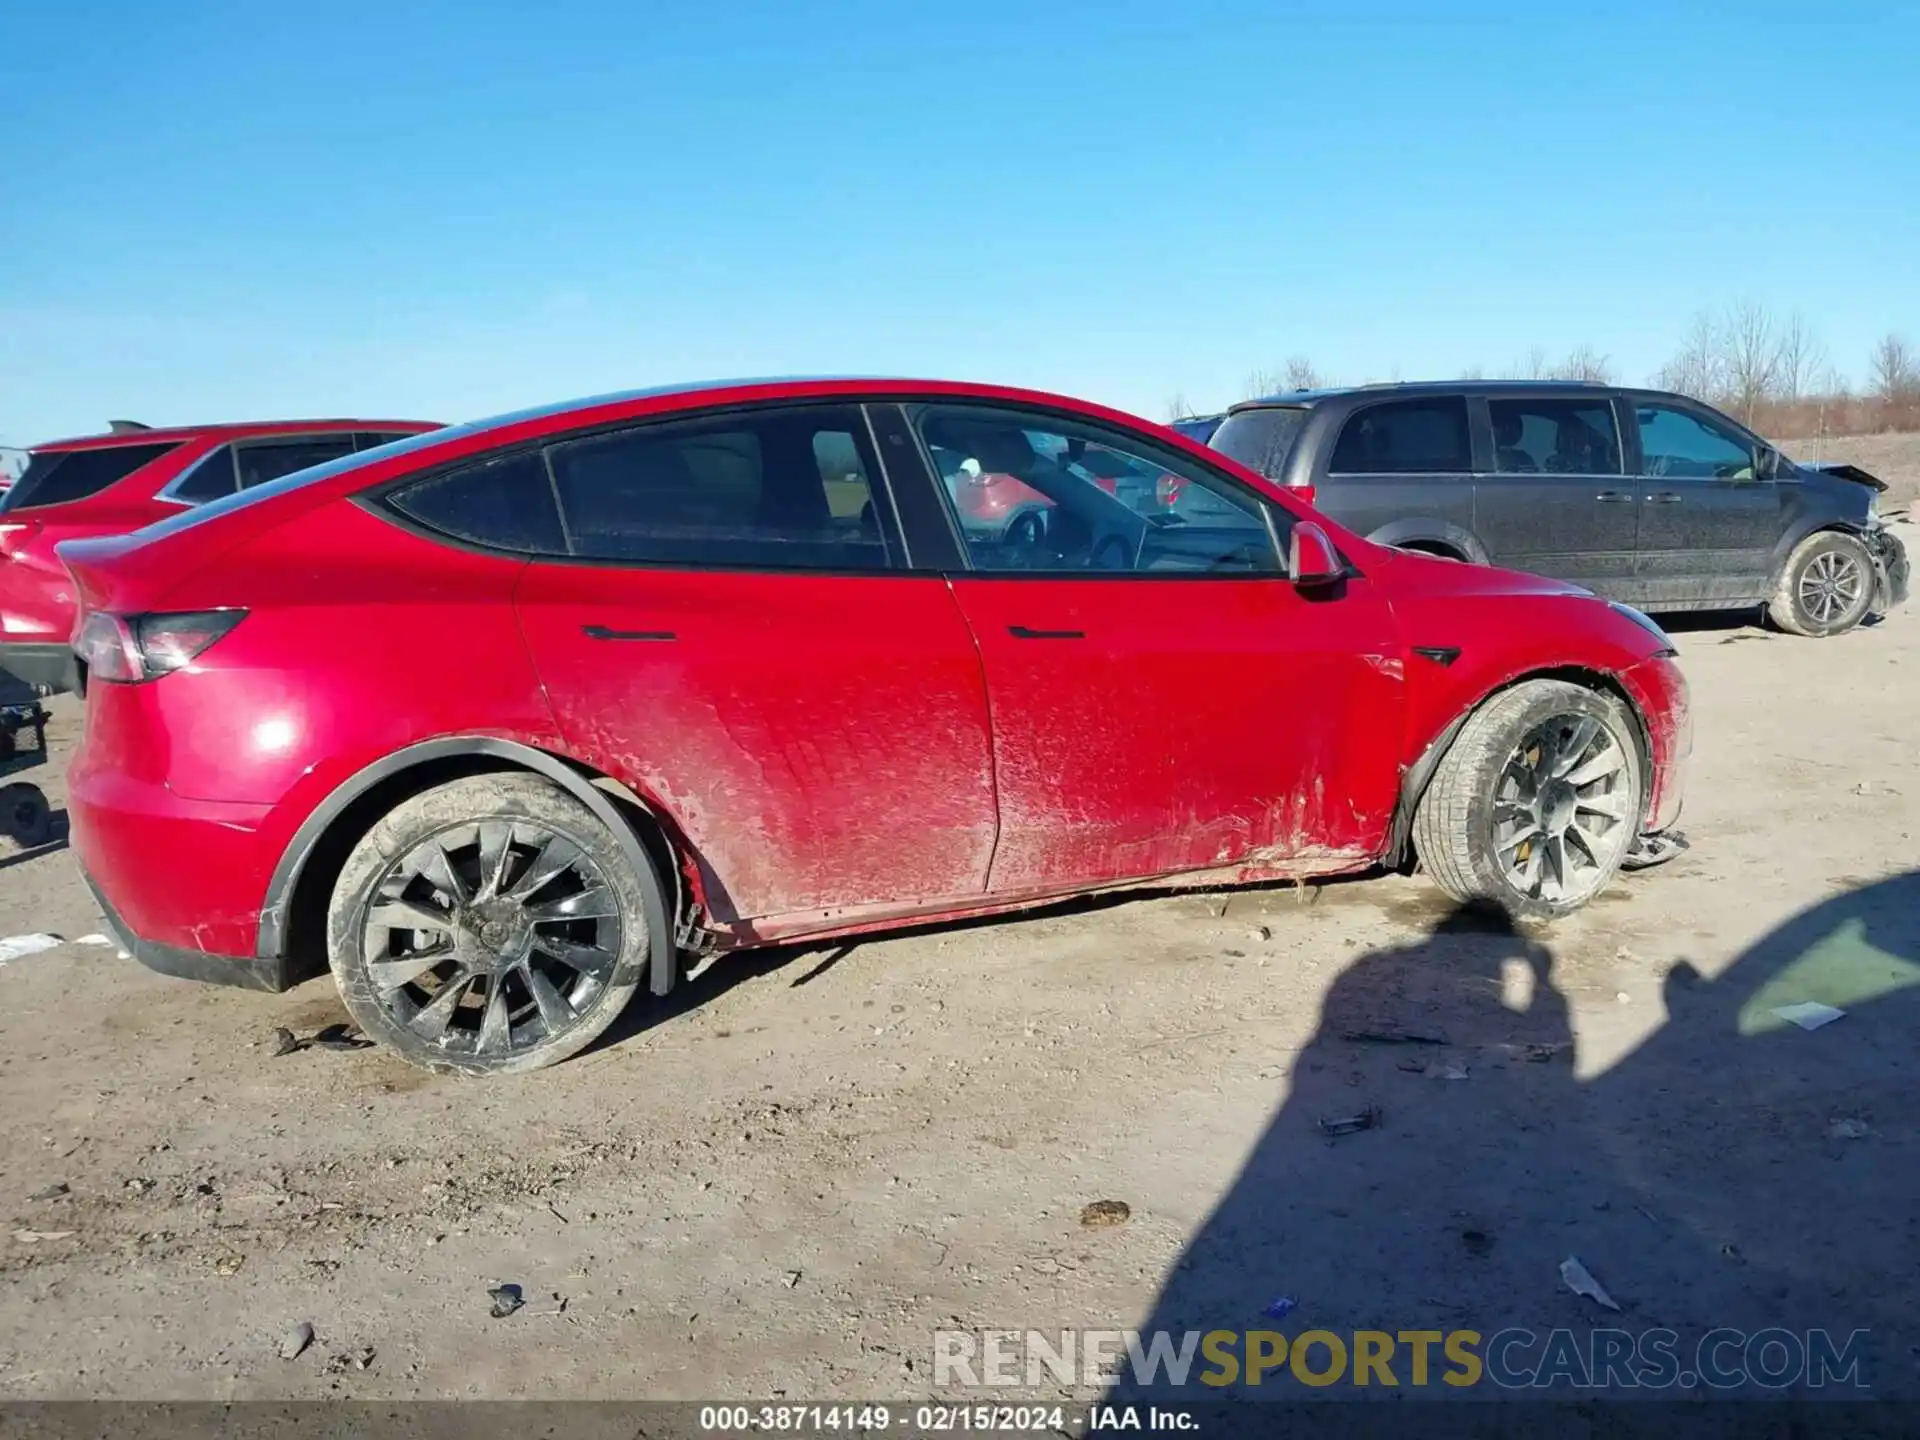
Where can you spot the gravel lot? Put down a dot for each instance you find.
(785, 1182)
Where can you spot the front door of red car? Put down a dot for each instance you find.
(733, 634)
(1163, 698)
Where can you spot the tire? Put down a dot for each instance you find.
(495, 987)
(1826, 586)
(1467, 828)
(24, 815)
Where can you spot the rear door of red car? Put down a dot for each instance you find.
(735, 631)
(1163, 698)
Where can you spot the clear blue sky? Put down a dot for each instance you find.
(445, 210)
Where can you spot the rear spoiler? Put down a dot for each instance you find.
(1840, 470)
(126, 427)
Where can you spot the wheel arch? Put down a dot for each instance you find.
(1799, 535)
(303, 879)
(1432, 536)
(1415, 779)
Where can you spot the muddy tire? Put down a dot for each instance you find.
(1825, 588)
(1535, 803)
(489, 925)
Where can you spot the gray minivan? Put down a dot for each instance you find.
(1645, 497)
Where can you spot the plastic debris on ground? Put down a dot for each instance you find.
(1580, 1280)
(1281, 1308)
(95, 939)
(17, 947)
(506, 1299)
(1367, 1119)
(1848, 1129)
(1808, 1014)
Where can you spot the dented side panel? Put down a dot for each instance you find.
(817, 741)
(1168, 725)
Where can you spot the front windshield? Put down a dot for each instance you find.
(1260, 437)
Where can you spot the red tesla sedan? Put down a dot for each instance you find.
(503, 720)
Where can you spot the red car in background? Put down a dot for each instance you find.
(501, 722)
(132, 476)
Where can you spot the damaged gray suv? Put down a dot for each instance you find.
(1647, 498)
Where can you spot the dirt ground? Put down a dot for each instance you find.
(784, 1183)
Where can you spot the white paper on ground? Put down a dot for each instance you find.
(1808, 1014)
(16, 946)
(93, 940)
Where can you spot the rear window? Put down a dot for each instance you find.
(271, 459)
(1260, 438)
(54, 477)
(507, 503)
(1407, 437)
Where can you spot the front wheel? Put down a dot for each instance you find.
(1536, 802)
(1826, 586)
(488, 925)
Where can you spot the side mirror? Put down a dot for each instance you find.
(1311, 558)
(1771, 463)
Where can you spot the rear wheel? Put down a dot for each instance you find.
(1536, 802)
(487, 926)
(1826, 586)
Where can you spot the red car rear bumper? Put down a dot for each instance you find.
(180, 881)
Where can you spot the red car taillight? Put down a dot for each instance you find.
(128, 649)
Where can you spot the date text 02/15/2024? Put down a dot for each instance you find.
(918, 1420)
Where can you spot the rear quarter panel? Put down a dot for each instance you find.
(360, 639)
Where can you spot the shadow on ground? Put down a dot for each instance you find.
(1733, 1171)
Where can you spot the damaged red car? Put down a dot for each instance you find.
(505, 721)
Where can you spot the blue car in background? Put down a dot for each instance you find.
(1197, 428)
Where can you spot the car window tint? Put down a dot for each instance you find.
(209, 479)
(373, 439)
(1679, 445)
(1556, 437)
(504, 503)
(270, 459)
(54, 477)
(778, 489)
(1063, 497)
(1407, 437)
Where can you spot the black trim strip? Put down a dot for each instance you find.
(602, 632)
(1022, 632)
(1439, 654)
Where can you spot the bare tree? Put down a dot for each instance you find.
(1178, 408)
(1261, 383)
(1803, 359)
(1697, 369)
(1302, 376)
(1473, 372)
(1535, 366)
(1584, 362)
(1751, 352)
(1894, 370)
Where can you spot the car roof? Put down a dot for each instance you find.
(1442, 387)
(127, 433)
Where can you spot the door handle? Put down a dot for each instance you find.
(1664, 497)
(1021, 632)
(602, 632)
(1613, 497)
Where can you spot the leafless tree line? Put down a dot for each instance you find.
(1769, 370)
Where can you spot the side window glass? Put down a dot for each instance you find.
(1554, 437)
(1677, 445)
(1406, 437)
(1058, 497)
(270, 459)
(506, 504)
(782, 489)
(373, 439)
(208, 480)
